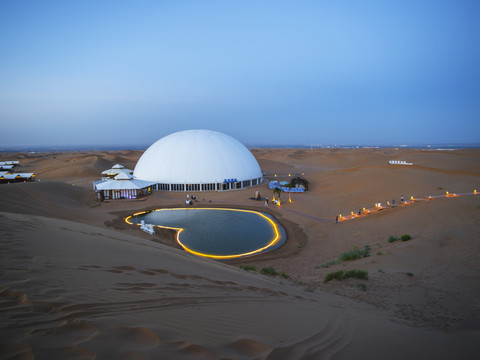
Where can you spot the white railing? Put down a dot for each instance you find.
(148, 228)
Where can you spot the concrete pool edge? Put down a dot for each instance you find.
(279, 232)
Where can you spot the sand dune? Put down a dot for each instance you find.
(78, 283)
(48, 198)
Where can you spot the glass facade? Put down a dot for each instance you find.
(123, 194)
(210, 186)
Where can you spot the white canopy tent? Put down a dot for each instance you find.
(122, 186)
(115, 170)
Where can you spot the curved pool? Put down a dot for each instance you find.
(218, 233)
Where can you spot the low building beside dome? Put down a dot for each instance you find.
(198, 160)
(122, 186)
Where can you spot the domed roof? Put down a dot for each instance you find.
(197, 157)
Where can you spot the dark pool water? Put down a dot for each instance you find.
(219, 232)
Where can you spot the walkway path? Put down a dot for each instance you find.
(309, 216)
(379, 207)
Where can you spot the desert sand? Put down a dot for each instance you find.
(77, 282)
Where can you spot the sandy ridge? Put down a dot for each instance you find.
(73, 287)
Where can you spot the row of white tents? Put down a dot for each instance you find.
(7, 176)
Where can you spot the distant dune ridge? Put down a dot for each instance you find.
(79, 283)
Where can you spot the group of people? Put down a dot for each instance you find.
(189, 200)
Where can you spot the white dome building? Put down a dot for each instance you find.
(198, 160)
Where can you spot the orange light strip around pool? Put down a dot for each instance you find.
(211, 256)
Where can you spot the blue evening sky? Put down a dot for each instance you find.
(264, 72)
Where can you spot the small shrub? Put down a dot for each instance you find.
(249, 268)
(362, 286)
(357, 274)
(366, 251)
(379, 253)
(405, 237)
(380, 270)
(309, 289)
(440, 188)
(334, 275)
(328, 263)
(341, 275)
(392, 238)
(93, 203)
(284, 275)
(269, 271)
(355, 254)
(350, 255)
(409, 274)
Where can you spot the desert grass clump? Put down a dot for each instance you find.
(405, 237)
(93, 203)
(328, 263)
(357, 274)
(248, 268)
(392, 238)
(269, 271)
(284, 275)
(409, 274)
(342, 275)
(355, 254)
(362, 286)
